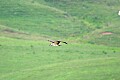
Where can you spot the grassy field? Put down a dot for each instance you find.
(28, 60)
(26, 25)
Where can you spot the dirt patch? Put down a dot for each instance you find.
(8, 30)
(13, 32)
(106, 33)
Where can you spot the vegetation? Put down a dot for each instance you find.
(28, 60)
(91, 53)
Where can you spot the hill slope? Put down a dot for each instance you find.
(26, 25)
(72, 20)
(28, 60)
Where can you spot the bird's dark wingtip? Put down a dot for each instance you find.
(65, 42)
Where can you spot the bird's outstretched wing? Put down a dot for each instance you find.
(64, 42)
(51, 41)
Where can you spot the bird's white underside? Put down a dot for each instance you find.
(52, 44)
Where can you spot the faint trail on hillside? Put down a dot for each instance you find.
(45, 6)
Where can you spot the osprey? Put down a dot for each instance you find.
(56, 43)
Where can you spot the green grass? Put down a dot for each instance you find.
(63, 19)
(28, 60)
(26, 25)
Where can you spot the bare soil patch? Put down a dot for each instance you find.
(106, 33)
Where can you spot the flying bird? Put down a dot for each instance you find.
(56, 43)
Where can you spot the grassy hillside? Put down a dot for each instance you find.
(90, 27)
(100, 16)
(63, 19)
(28, 60)
(39, 19)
